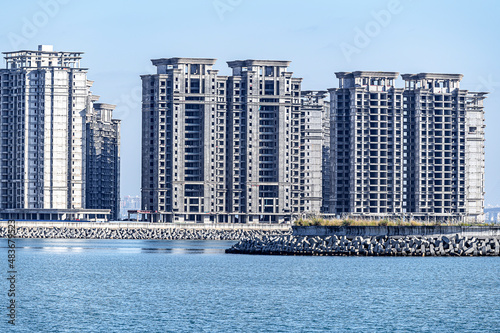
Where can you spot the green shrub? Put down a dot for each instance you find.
(384, 223)
(317, 221)
(300, 222)
(347, 222)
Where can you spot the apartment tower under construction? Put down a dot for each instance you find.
(416, 151)
(233, 148)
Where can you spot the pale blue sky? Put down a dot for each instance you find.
(120, 37)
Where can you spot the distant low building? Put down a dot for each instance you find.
(127, 203)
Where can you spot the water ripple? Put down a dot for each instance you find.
(192, 286)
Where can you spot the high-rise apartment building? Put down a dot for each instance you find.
(43, 129)
(44, 105)
(102, 158)
(366, 144)
(447, 137)
(183, 141)
(415, 151)
(263, 141)
(227, 149)
(315, 132)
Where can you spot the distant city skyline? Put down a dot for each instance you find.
(320, 38)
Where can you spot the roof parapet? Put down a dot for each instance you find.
(374, 80)
(177, 61)
(375, 74)
(253, 62)
(434, 76)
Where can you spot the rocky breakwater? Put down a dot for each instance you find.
(140, 233)
(368, 246)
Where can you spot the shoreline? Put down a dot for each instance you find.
(119, 230)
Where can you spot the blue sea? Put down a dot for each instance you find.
(193, 286)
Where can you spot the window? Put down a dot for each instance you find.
(195, 85)
(269, 88)
(195, 69)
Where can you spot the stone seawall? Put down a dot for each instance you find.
(30, 229)
(477, 244)
(369, 231)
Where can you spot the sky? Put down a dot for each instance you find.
(320, 38)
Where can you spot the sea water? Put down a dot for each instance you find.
(193, 286)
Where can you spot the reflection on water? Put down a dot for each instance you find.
(181, 250)
(122, 246)
(90, 285)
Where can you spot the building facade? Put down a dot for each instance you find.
(263, 141)
(416, 151)
(183, 141)
(447, 134)
(44, 106)
(102, 159)
(315, 132)
(366, 144)
(227, 149)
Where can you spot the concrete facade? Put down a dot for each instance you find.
(315, 131)
(228, 149)
(183, 141)
(44, 105)
(264, 113)
(102, 159)
(43, 129)
(415, 151)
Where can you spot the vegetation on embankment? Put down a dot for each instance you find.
(318, 221)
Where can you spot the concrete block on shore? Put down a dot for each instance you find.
(376, 245)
